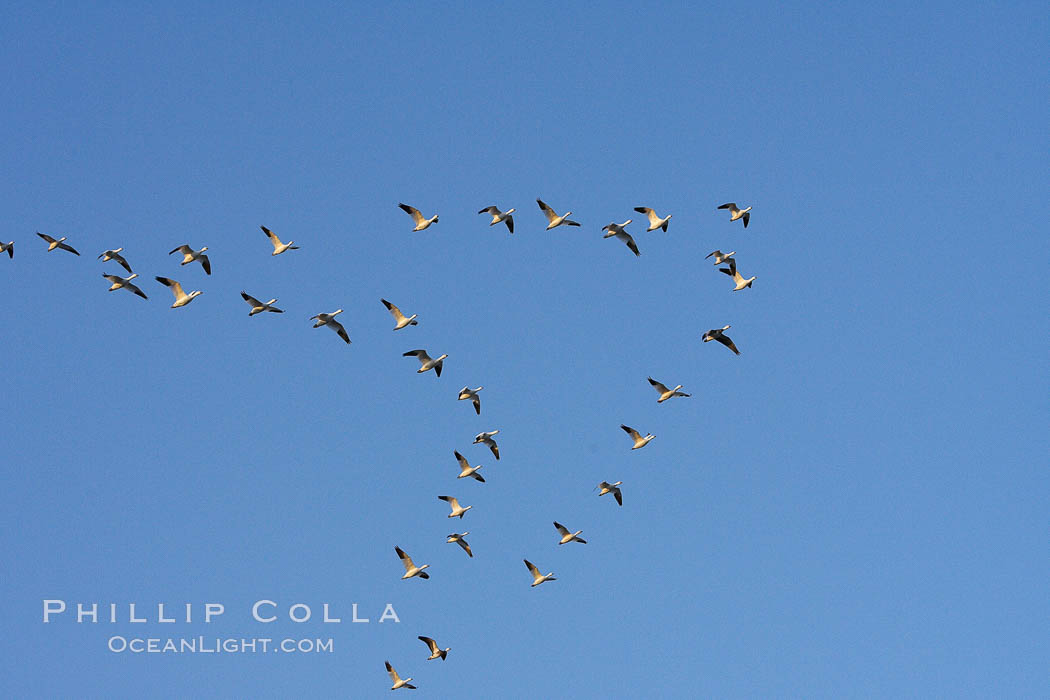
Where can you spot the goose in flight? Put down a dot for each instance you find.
(190, 255)
(400, 317)
(458, 539)
(258, 307)
(435, 652)
(655, 221)
(466, 470)
(664, 392)
(472, 394)
(567, 536)
(115, 255)
(614, 489)
(741, 283)
(486, 439)
(181, 297)
(720, 257)
(421, 221)
(737, 213)
(119, 282)
(8, 248)
(537, 577)
(639, 441)
(410, 568)
(720, 336)
(52, 244)
(457, 510)
(553, 219)
(329, 320)
(399, 682)
(426, 362)
(617, 230)
(498, 216)
(278, 247)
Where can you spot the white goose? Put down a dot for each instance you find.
(639, 441)
(719, 335)
(329, 320)
(567, 536)
(426, 362)
(435, 651)
(741, 283)
(399, 317)
(735, 213)
(614, 489)
(458, 539)
(537, 577)
(421, 221)
(720, 257)
(466, 470)
(119, 282)
(411, 570)
(278, 247)
(500, 216)
(664, 392)
(115, 255)
(486, 439)
(190, 255)
(655, 221)
(553, 219)
(399, 682)
(181, 297)
(472, 394)
(617, 230)
(8, 248)
(57, 243)
(258, 307)
(457, 510)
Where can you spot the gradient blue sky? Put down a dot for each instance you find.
(855, 506)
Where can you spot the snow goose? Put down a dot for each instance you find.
(53, 243)
(498, 216)
(119, 282)
(466, 470)
(720, 257)
(181, 297)
(399, 317)
(258, 307)
(655, 221)
(486, 439)
(614, 489)
(458, 539)
(537, 577)
(719, 335)
(190, 255)
(8, 248)
(472, 394)
(115, 255)
(329, 320)
(664, 392)
(457, 510)
(552, 216)
(399, 682)
(278, 247)
(567, 536)
(411, 569)
(421, 221)
(741, 283)
(425, 361)
(617, 230)
(736, 213)
(639, 441)
(435, 651)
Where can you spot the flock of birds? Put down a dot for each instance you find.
(428, 363)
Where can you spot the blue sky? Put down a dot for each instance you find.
(854, 506)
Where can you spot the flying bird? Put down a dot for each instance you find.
(52, 244)
(498, 216)
(411, 569)
(720, 336)
(329, 320)
(426, 362)
(421, 221)
(639, 441)
(472, 394)
(119, 282)
(617, 230)
(567, 536)
(8, 248)
(741, 283)
(614, 489)
(190, 255)
(720, 257)
(458, 539)
(655, 221)
(258, 307)
(181, 297)
(398, 681)
(737, 213)
(664, 392)
(486, 439)
(537, 577)
(553, 219)
(399, 317)
(466, 470)
(435, 652)
(457, 510)
(278, 247)
(115, 255)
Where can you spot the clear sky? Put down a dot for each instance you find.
(857, 505)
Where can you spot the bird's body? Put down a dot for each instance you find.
(421, 221)
(466, 470)
(664, 392)
(639, 441)
(457, 509)
(655, 221)
(115, 255)
(458, 539)
(399, 318)
(190, 255)
(553, 219)
(614, 489)
(329, 320)
(719, 335)
(53, 243)
(567, 536)
(741, 283)
(486, 439)
(426, 362)
(467, 393)
(8, 248)
(620, 233)
(118, 282)
(411, 570)
(399, 682)
(278, 246)
(735, 213)
(435, 651)
(721, 257)
(181, 297)
(258, 307)
(500, 216)
(537, 577)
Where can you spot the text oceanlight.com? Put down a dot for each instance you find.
(219, 645)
